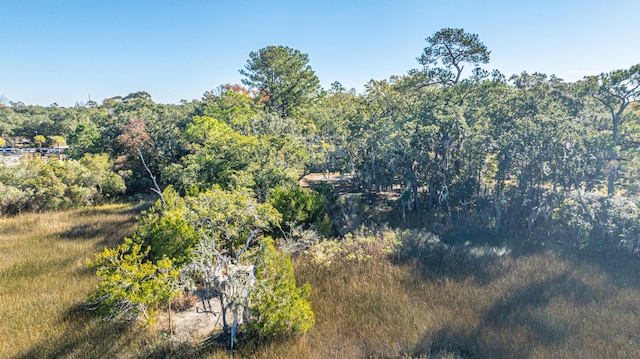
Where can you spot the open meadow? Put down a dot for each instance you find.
(448, 302)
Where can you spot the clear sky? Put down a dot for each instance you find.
(62, 51)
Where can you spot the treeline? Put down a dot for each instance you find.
(505, 152)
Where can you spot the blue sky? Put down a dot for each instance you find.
(64, 51)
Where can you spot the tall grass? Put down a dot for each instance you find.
(44, 280)
(545, 304)
(454, 302)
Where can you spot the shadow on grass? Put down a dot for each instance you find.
(126, 209)
(620, 267)
(96, 228)
(86, 336)
(515, 326)
(107, 224)
(437, 260)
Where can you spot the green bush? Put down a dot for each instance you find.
(592, 221)
(130, 285)
(279, 307)
(174, 227)
(298, 206)
(13, 200)
(167, 229)
(36, 185)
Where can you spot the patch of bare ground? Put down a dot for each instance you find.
(341, 182)
(198, 320)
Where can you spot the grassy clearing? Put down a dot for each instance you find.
(454, 304)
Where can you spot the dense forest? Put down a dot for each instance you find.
(255, 173)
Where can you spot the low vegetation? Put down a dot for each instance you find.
(35, 185)
(434, 300)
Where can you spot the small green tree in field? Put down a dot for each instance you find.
(84, 139)
(279, 307)
(130, 285)
(39, 140)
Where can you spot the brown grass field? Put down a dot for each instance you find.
(535, 304)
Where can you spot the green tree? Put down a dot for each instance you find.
(280, 307)
(232, 104)
(230, 217)
(277, 160)
(167, 229)
(283, 77)
(101, 175)
(216, 155)
(84, 139)
(39, 140)
(615, 90)
(227, 223)
(448, 51)
(332, 118)
(57, 141)
(297, 205)
(537, 144)
(142, 95)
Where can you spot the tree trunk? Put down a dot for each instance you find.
(612, 174)
(497, 204)
(170, 324)
(223, 313)
(613, 170)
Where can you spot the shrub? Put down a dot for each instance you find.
(167, 229)
(130, 285)
(297, 205)
(35, 185)
(279, 307)
(107, 182)
(592, 221)
(362, 245)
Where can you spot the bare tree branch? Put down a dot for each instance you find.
(156, 188)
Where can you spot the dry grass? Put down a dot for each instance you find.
(538, 305)
(543, 304)
(44, 280)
